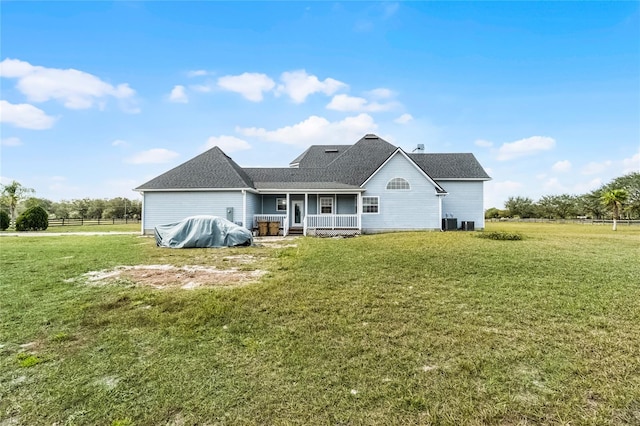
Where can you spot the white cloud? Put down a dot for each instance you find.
(346, 103)
(497, 192)
(631, 164)
(202, 88)
(582, 188)
(249, 85)
(316, 130)
(178, 95)
(25, 116)
(380, 93)
(197, 73)
(483, 143)
(298, 85)
(593, 167)
(561, 166)
(119, 142)
(404, 119)
(227, 143)
(152, 156)
(525, 147)
(75, 89)
(553, 185)
(12, 141)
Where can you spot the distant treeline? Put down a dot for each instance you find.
(86, 208)
(567, 206)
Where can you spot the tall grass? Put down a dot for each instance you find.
(408, 328)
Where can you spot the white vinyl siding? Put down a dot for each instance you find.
(254, 202)
(416, 208)
(169, 207)
(464, 202)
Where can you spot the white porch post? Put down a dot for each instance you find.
(306, 211)
(286, 225)
(359, 210)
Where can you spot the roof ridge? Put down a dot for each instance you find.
(237, 169)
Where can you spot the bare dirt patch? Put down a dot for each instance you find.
(275, 242)
(169, 276)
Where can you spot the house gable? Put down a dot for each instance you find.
(416, 204)
(413, 164)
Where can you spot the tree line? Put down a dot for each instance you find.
(16, 199)
(620, 197)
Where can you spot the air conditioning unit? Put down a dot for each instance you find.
(468, 225)
(449, 224)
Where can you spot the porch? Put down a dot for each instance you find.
(321, 225)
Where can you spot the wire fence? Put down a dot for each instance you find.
(581, 221)
(87, 222)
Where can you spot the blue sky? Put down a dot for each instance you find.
(99, 97)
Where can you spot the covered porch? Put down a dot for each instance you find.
(310, 213)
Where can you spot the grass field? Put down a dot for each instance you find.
(415, 328)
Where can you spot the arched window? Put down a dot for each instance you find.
(398, 184)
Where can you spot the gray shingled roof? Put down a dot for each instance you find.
(450, 166)
(356, 164)
(306, 185)
(348, 168)
(211, 169)
(319, 155)
(294, 178)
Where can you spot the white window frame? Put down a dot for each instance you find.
(278, 200)
(365, 205)
(320, 203)
(398, 180)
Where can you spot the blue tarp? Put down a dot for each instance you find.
(202, 231)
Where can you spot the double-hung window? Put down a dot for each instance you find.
(370, 204)
(281, 204)
(326, 205)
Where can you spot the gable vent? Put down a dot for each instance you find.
(331, 150)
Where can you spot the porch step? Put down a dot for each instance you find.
(296, 231)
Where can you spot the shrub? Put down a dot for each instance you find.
(5, 220)
(501, 236)
(33, 219)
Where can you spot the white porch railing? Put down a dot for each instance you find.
(332, 221)
(282, 218)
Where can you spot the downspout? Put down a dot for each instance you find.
(144, 213)
(244, 208)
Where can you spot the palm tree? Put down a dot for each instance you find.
(12, 194)
(614, 199)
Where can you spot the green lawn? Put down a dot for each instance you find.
(411, 328)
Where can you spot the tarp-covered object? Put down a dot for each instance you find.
(202, 231)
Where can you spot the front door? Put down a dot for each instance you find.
(298, 213)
